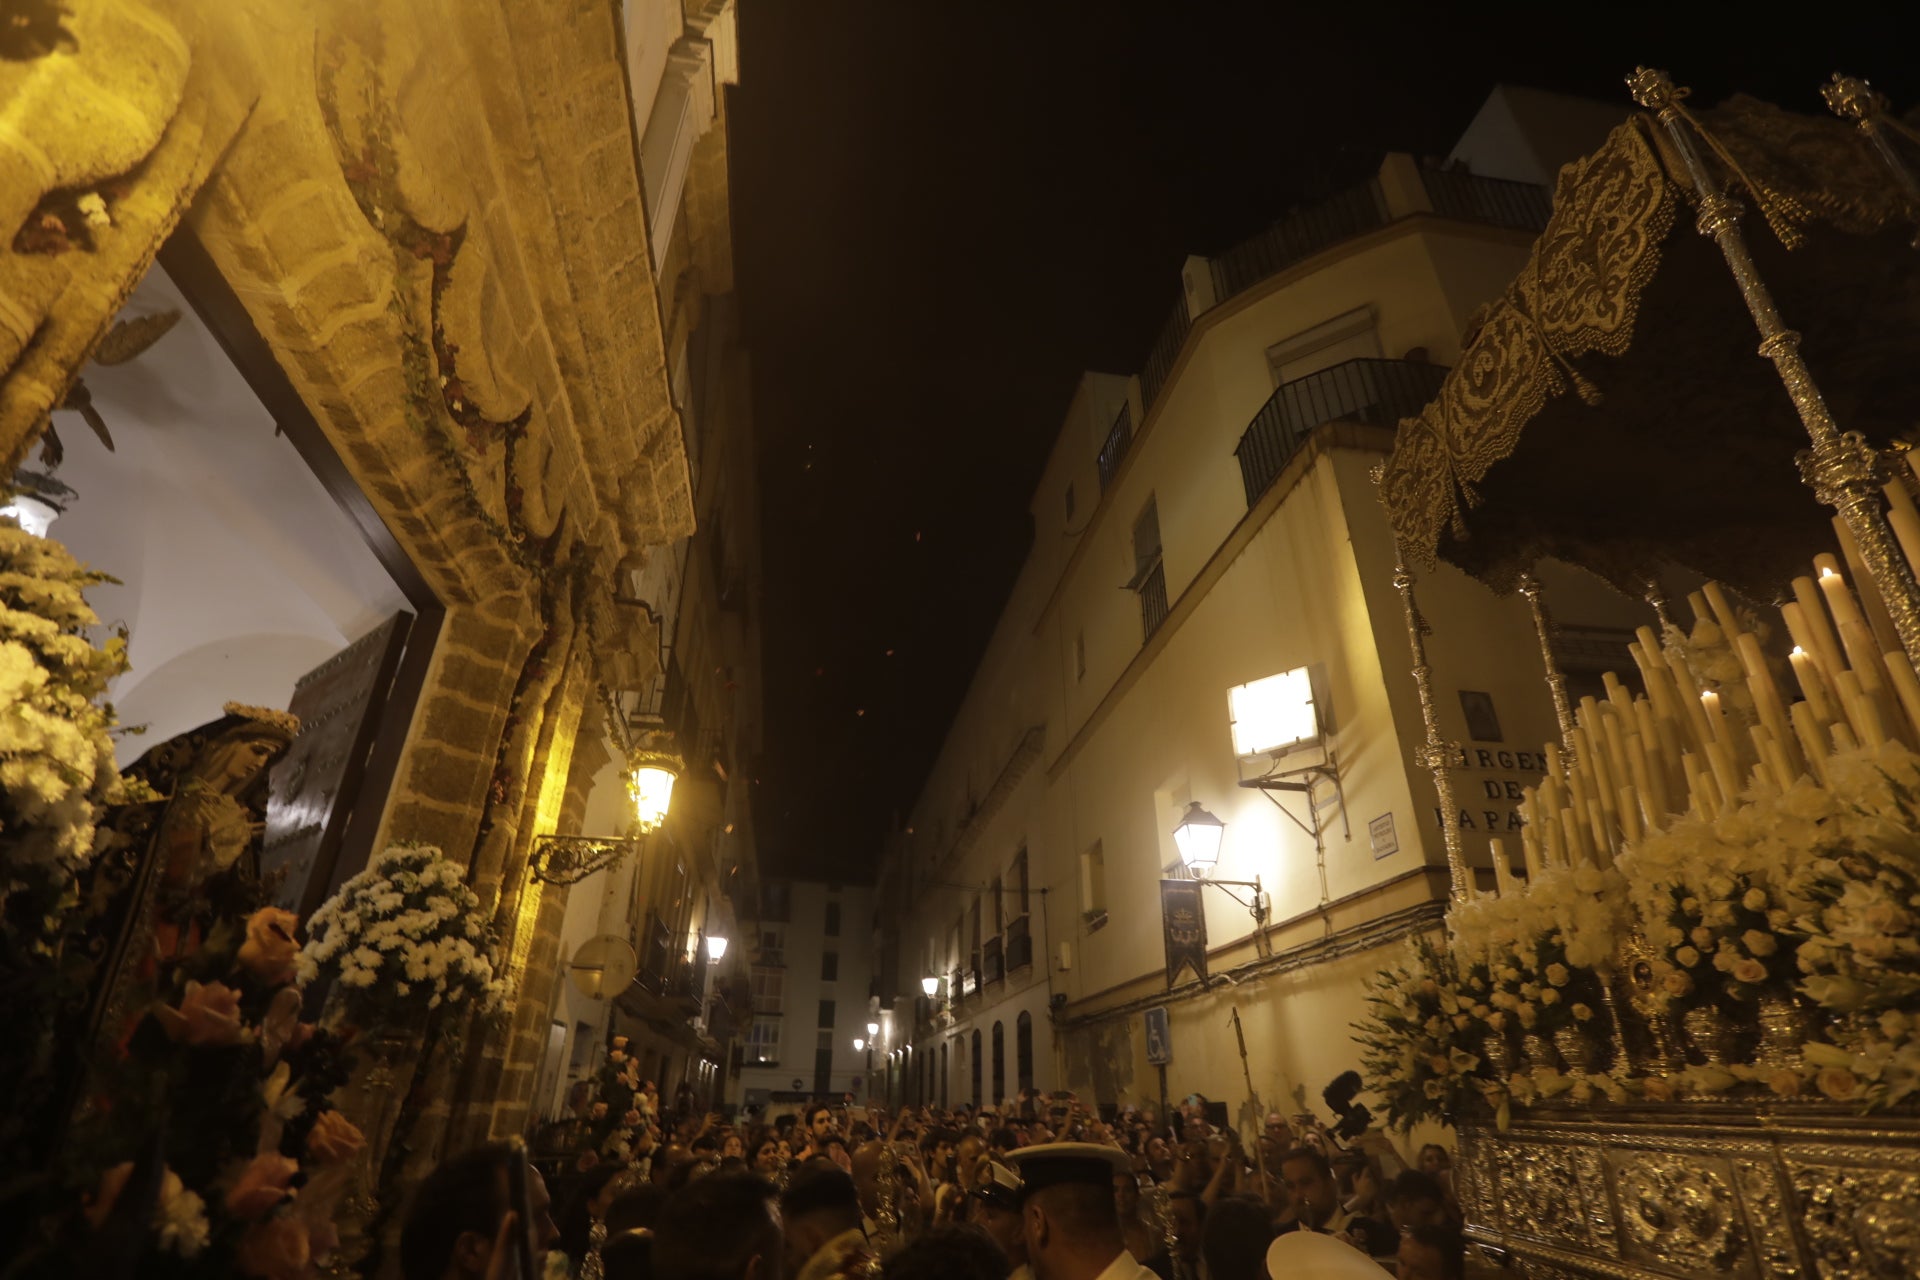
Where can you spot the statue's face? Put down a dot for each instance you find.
(236, 764)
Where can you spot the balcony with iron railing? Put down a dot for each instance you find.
(1115, 448)
(1299, 236)
(1521, 206)
(1019, 944)
(1390, 195)
(1374, 392)
(1152, 590)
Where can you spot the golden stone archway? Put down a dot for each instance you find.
(432, 214)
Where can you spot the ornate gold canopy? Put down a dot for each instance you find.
(1610, 408)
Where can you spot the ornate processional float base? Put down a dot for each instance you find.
(1726, 1190)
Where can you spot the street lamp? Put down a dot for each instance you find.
(930, 985)
(873, 1030)
(858, 1044)
(1198, 839)
(652, 765)
(716, 947)
(651, 786)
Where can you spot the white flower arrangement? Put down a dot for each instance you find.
(56, 753)
(1813, 888)
(1420, 1034)
(404, 937)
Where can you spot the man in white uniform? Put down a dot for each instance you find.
(1072, 1224)
(997, 1210)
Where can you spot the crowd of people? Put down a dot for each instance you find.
(1042, 1188)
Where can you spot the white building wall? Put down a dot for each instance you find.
(804, 941)
(1303, 578)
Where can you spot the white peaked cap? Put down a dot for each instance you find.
(1308, 1255)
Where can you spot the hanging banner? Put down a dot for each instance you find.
(1184, 923)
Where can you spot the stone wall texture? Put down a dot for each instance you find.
(432, 214)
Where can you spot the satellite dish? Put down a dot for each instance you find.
(603, 966)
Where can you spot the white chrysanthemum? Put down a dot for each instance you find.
(56, 755)
(404, 932)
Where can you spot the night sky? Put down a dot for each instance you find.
(943, 212)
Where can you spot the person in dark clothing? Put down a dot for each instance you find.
(589, 1201)
(725, 1227)
(457, 1218)
(948, 1253)
(1433, 1252)
(1234, 1240)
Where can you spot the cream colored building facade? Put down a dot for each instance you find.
(697, 877)
(1208, 523)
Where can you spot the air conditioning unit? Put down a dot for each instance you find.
(1066, 956)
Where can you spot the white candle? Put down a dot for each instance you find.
(1530, 842)
(1502, 869)
(1629, 816)
(1819, 640)
(1700, 729)
(1807, 673)
(1716, 718)
(1904, 684)
(1855, 635)
(1862, 710)
(1726, 775)
(1905, 520)
(1722, 610)
(1867, 587)
(1556, 767)
(1788, 772)
(1766, 694)
(1813, 744)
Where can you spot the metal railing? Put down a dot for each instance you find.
(1376, 392)
(994, 968)
(1298, 237)
(1160, 356)
(1019, 944)
(1503, 203)
(1153, 601)
(1116, 446)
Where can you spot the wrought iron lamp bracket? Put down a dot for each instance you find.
(1257, 907)
(567, 860)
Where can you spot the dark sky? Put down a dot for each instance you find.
(943, 212)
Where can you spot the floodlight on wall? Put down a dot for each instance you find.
(1270, 719)
(716, 948)
(1198, 839)
(1273, 714)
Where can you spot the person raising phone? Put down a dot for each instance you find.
(461, 1223)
